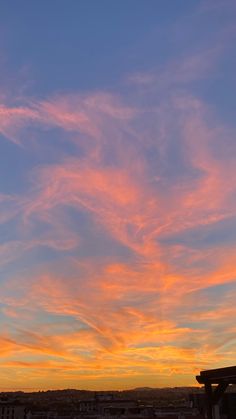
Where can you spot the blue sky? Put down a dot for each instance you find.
(117, 192)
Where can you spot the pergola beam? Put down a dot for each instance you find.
(222, 377)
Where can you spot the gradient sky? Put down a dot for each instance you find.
(117, 192)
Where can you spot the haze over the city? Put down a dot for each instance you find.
(117, 192)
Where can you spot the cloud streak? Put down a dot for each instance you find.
(113, 256)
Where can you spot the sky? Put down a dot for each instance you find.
(117, 192)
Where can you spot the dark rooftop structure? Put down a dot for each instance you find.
(220, 378)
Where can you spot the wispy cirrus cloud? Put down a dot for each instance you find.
(148, 173)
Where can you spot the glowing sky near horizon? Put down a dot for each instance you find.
(117, 192)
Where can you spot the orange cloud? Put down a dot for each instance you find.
(146, 178)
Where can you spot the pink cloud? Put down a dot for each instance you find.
(130, 314)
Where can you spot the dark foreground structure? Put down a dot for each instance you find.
(221, 378)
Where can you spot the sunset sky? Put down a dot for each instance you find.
(117, 192)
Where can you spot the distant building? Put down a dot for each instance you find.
(12, 410)
(113, 408)
(106, 407)
(187, 413)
